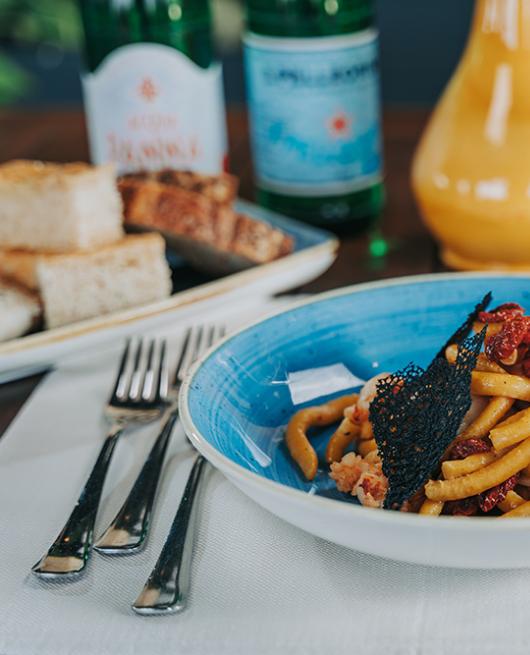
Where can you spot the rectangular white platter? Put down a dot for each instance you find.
(314, 251)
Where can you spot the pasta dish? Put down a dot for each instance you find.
(484, 470)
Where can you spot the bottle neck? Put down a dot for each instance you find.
(496, 62)
(307, 18)
(181, 24)
(501, 30)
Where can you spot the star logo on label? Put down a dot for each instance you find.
(148, 90)
(340, 125)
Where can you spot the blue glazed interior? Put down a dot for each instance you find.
(240, 400)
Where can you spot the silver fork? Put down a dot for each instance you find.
(128, 531)
(138, 396)
(167, 586)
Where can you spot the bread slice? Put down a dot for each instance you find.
(19, 311)
(83, 285)
(221, 189)
(214, 237)
(58, 207)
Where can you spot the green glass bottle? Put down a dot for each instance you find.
(153, 89)
(313, 96)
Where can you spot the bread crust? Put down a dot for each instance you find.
(221, 189)
(19, 266)
(34, 173)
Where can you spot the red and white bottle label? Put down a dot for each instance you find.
(149, 106)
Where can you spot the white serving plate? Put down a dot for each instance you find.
(314, 252)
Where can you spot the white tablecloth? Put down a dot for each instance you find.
(259, 585)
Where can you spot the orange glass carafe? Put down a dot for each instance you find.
(471, 171)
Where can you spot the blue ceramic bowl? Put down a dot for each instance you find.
(239, 397)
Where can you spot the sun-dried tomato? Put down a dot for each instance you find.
(501, 346)
(465, 507)
(492, 497)
(506, 312)
(463, 449)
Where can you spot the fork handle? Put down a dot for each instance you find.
(166, 590)
(128, 531)
(69, 553)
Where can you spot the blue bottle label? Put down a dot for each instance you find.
(314, 112)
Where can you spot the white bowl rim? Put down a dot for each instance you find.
(303, 499)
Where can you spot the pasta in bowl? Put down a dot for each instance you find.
(487, 467)
(317, 362)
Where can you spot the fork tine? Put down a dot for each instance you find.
(137, 376)
(217, 332)
(120, 386)
(149, 374)
(197, 345)
(191, 351)
(184, 349)
(202, 343)
(138, 353)
(162, 378)
(196, 340)
(208, 338)
(212, 332)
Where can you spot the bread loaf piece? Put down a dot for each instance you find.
(213, 236)
(58, 207)
(19, 311)
(83, 285)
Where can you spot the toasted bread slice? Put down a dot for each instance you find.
(221, 189)
(83, 285)
(20, 311)
(214, 237)
(58, 207)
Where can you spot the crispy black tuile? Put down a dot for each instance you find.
(416, 415)
(466, 326)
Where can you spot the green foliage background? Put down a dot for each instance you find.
(57, 24)
(52, 23)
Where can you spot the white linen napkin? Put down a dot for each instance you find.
(259, 585)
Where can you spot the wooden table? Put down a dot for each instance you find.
(61, 136)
